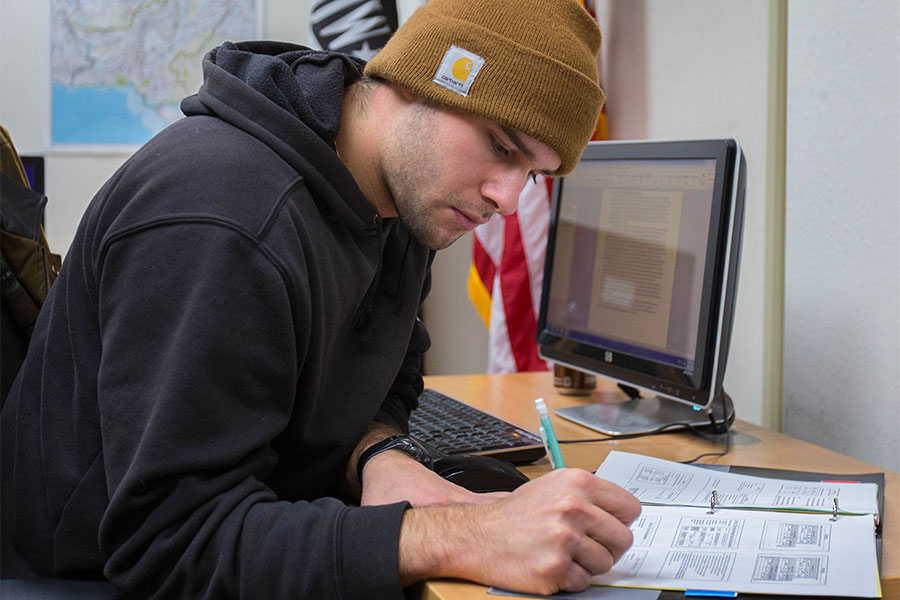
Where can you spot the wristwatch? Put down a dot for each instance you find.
(401, 442)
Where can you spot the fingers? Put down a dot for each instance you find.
(615, 537)
(567, 561)
(594, 558)
(597, 538)
(618, 502)
(553, 533)
(587, 518)
(572, 557)
(575, 579)
(607, 495)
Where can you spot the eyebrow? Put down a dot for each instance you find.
(521, 147)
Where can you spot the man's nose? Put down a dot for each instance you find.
(502, 191)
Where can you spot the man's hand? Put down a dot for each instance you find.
(550, 534)
(393, 476)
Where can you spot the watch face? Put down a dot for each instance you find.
(416, 450)
(401, 442)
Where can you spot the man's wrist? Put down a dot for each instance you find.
(400, 442)
(376, 432)
(435, 542)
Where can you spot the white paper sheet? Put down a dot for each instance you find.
(658, 481)
(772, 539)
(749, 551)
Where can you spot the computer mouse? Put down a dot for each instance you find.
(479, 473)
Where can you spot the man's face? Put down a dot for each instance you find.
(449, 172)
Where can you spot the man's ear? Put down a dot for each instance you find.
(404, 93)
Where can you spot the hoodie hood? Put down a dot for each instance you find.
(284, 95)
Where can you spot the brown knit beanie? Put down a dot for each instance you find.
(528, 64)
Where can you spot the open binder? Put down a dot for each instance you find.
(765, 532)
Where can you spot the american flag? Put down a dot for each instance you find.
(507, 273)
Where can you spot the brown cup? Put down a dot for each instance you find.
(571, 382)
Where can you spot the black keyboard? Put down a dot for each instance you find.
(453, 427)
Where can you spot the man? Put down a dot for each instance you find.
(233, 339)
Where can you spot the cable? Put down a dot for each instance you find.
(717, 428)
(628, 436)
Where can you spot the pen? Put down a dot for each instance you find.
(709, 594)
(547, 433)
(546, 447)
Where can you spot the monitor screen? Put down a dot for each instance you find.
(34, 170)
(642, 262)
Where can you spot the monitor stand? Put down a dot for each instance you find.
(646, 415)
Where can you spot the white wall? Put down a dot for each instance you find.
(701, 68)
(842, 301)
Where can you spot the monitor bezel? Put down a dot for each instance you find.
(699, 387)
(34, 169)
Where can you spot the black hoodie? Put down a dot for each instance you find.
(231, 316)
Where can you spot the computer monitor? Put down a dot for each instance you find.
(34, 170)
(640, 278)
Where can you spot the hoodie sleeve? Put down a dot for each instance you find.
(196, 378)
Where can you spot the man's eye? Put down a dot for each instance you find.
(499, 148)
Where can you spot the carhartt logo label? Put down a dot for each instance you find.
(458, 70)
(462, 68)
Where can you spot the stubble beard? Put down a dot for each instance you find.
(409, 171)
(416, 217)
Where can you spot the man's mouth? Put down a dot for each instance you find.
(470, 221)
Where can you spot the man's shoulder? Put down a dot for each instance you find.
(208, 152)
(200, 168)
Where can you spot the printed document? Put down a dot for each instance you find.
(764, 536)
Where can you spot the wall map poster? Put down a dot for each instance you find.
(120, 68)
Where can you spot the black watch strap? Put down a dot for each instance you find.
(401, 442)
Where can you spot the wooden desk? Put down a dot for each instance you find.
(512, 397)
